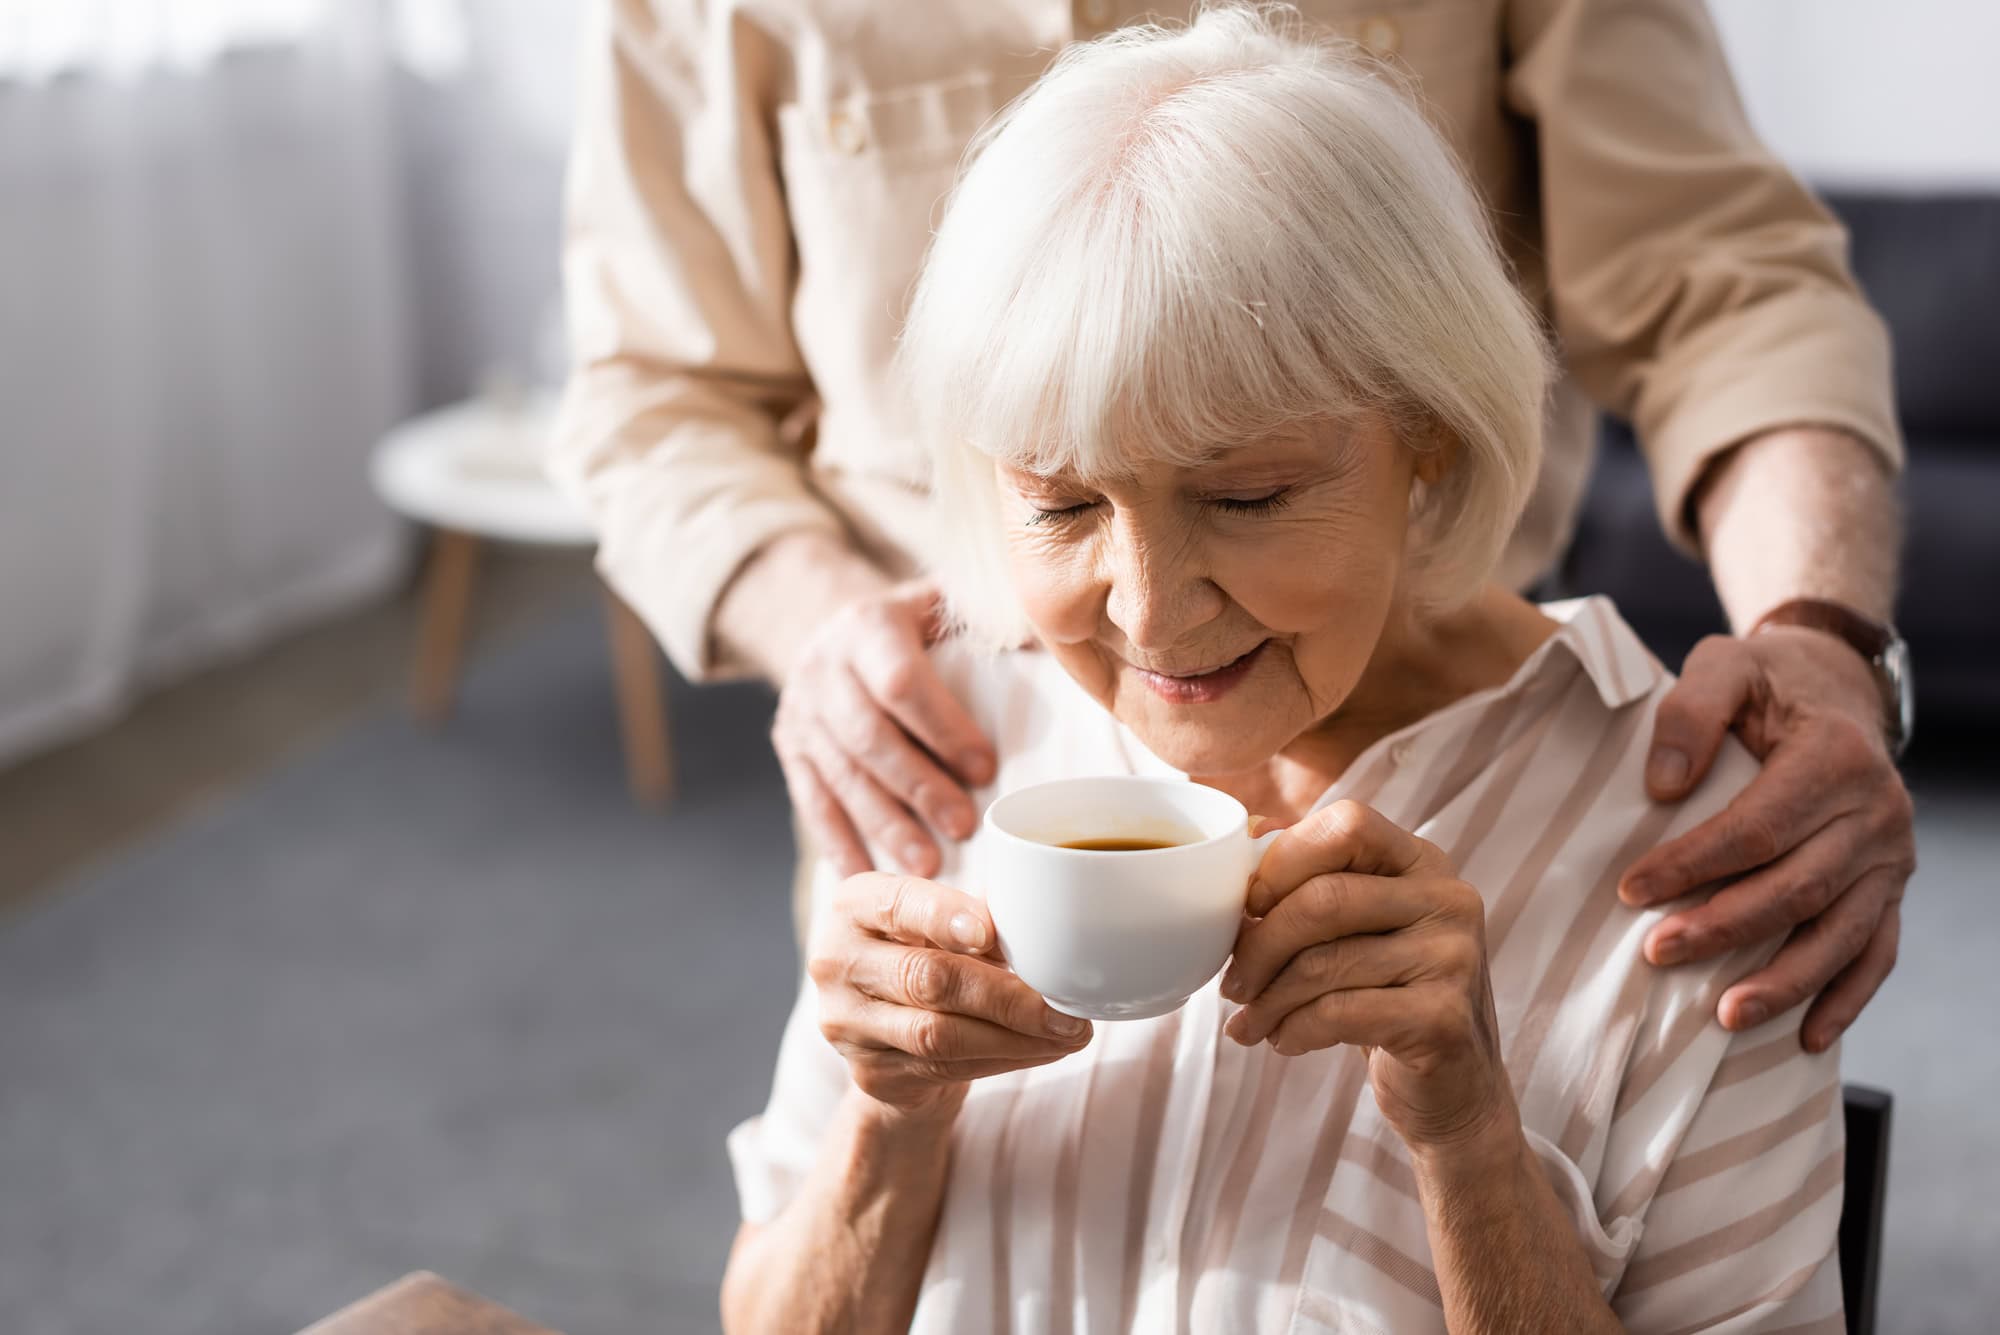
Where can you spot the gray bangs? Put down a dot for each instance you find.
(1142, 332)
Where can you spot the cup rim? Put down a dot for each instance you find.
(991, 822)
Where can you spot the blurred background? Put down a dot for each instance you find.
(360, 913)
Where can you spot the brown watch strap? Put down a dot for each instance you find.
(1869, 638)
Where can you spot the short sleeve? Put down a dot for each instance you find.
(772, 1153)
(1739, 1203)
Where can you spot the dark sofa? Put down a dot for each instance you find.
(1931, 265)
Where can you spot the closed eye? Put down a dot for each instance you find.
(1253, 505)
(1058, 514)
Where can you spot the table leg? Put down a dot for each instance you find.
(642, 704)
(454, 556)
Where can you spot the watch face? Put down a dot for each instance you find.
(1903, 699)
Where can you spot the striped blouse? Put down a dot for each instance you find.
(1166, 1179)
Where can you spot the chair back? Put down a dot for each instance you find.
(1868, 1112)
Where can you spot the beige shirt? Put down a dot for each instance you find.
(754, 182)
(1165, 1178)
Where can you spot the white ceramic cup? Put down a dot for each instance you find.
(1122, 935)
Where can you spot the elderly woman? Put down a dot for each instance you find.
(1233, 406)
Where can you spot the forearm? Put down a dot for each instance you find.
(1800, 512)
(1506, 1252)
(775, 602)
(849, 1252)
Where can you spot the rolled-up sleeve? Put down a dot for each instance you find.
(678, 270)
(1697, 288)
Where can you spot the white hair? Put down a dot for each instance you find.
(1181, 239)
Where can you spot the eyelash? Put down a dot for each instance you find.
(1277, 500)
(1261, 505)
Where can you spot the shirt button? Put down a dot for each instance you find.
(846, 132)
(1097, 13)
(1382, 36)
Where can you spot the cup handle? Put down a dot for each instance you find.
(1258, 843)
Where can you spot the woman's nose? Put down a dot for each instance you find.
(1159, 590)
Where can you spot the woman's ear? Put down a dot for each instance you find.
(1438, 457)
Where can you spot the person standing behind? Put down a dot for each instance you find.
(751, 192)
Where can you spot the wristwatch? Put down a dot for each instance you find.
(1887, 655)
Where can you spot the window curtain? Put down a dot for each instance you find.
(237, 242)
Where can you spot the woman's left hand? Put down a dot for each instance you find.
(1360, 932)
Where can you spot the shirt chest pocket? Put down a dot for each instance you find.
(865, 179)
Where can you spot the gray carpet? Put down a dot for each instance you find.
(449, 1001)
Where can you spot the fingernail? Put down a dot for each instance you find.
(957, 823)
(1667, 768)
(968, 931)
(1254, 897)
(1067, 1026)
(1654, 889)
(976, 766)
(1638, 891)
(1232, 985)
(1673, 949)
(915, 858)
(1752, 1013)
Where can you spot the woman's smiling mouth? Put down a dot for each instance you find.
(1196, 688)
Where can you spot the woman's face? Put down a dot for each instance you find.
(1219, 611)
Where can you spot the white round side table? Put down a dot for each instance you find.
(472, 473)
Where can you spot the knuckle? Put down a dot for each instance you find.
(919, 907)
(1851, 750)
(1328, 892)
(892, 830)
(1462, 953)
(839, 768)
(1023, 1016)
(1323, 965)
(1723, 933)
(1898, 810)
(899, 679)
(873, 734)
(1347, 817)
(1440, 1014)
(1854, 937)
(1757, 835)
(929, 1037)
(1715, 647)
(1807, 893)
(1710, 654)
(1462, 901)
(898, 903)
(824, 970)
(925, 979)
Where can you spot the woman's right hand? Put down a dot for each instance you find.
(912, 994)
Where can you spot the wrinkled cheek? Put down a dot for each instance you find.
(1057, 593)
